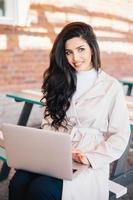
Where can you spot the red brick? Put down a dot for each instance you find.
(20, 69)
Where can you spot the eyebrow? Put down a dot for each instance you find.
(76, 47)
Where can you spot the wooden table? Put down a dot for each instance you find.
(30, 98)
(129, 82)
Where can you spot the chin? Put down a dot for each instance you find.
(80, 69)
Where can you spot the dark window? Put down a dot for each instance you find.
(2, 8)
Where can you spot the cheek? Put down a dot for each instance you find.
(88, 56)
(69, 59)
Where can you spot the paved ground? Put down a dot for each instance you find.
(9, 112)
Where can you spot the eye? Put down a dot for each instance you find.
(68, 53)
(81, 49)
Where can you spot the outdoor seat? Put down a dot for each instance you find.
(116, 190)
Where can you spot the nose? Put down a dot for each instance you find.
(75, 57)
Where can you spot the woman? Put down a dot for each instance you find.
(83, 101)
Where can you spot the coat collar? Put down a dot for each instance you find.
(98, 89)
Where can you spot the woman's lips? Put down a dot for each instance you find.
(78, 64)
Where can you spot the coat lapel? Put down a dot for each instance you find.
(98, 89)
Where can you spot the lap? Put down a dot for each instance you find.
(35, 181)
(47, 181)
(22, 176)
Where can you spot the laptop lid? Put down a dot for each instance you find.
(38, 150)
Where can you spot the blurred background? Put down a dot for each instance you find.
(27, 35)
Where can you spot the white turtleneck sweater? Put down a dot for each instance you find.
(85, 81)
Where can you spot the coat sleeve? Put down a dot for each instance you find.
(119, 131)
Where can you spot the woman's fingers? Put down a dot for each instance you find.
(76, 157)
(84, 160)
(80, 157)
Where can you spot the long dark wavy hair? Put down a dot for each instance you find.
(59, 80)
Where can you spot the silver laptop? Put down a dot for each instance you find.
(40, 151)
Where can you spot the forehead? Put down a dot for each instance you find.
(75, 42)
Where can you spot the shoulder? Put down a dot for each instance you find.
(111, 81)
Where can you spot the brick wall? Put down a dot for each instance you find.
(24, 51)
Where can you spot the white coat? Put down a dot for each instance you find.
(99, 127)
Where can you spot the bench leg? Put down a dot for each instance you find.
(25, 113)
(112, 196)
(129, 90)
(22, 121)
(5, 170)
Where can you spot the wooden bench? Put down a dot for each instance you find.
(128, 81)
(116, 190)
(119, 172)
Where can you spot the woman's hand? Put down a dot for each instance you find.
(80, 157)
